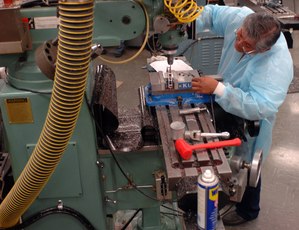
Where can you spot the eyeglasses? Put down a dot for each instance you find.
(247, 45)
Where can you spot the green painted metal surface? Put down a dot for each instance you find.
(117, 20)
(65, 181)
(78, 180)
(114, 21)
(139, 167)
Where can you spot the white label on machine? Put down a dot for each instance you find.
(50, 22)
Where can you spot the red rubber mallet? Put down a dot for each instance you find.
(185, 149)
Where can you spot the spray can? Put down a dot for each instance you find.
(207, 200)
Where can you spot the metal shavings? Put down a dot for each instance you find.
(128, 135)
(185, 186)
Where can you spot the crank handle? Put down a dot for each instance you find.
(197, 135)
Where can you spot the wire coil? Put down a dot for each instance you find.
(184, 10)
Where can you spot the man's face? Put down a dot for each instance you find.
(243, 44)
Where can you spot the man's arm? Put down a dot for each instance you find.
(218, 18)
(263, 89)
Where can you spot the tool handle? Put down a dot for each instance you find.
(191, 110)
(223, 134)
(218, 144)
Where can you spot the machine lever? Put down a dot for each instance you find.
(197, 135)
(185, 149)
(192, 110)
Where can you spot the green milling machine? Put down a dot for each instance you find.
(58, 139)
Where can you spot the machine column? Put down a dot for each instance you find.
(151, 219)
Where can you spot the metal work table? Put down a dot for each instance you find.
(283, 14)
(183, 174)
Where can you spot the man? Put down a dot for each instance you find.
(256, 68)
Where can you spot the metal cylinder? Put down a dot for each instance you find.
(191, 110)
(177, 129)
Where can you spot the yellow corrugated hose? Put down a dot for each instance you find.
(74, 50)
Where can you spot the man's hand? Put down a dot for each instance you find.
(206, 85)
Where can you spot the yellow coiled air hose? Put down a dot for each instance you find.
(184, 10)
(74, 50)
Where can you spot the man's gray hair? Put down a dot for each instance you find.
(263, 28)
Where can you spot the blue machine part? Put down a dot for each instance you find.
(184, 85)
(175, 98)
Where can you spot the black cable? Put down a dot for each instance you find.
(113, 155)
(198, 40)
(213, 112)
(130, 220)
(155, 47)
(28, 90)
(189, 46)
(50, 211)
(106, 140)
(179, 212)
(169, 213)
